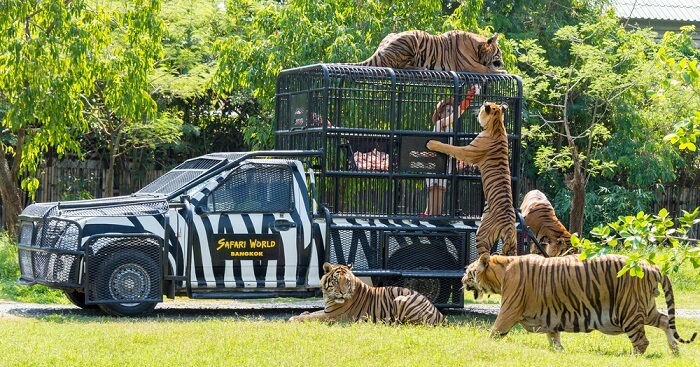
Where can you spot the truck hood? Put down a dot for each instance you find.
(134, 205)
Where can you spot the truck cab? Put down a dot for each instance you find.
(221, 225)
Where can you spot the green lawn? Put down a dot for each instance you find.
(58, 340)
(227, 339)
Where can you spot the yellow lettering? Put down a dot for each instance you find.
(221, 243)
(230, 244)
(246, 253)
(262, 244)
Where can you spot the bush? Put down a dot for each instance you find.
(654, 238)
(9, 273)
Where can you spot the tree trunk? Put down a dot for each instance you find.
(10, 194)
(577, 185)
(108, 190)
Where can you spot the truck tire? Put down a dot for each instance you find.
(78, 298)
(437, 290)
(125, 276)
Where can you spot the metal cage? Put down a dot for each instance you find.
(373, 124)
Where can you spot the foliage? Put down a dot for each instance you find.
(9, 273)
(540, 20)
(642, 237)
(605, 62)
(682, 91)
(191, 29)
(271, 36)
(603, 202)
(78, 187)
(645, 235)
(48, 60)
(671, 111)
(571, 107)
(210, 122)
(122, 111)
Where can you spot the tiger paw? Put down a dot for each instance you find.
(432, 144)
(299, 318)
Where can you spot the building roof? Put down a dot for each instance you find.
(675, 10)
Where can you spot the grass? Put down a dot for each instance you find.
(9, 273)
(91, 339)
(235, 341)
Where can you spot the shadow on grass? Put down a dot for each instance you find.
(194, 312)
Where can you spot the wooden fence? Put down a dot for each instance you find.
(674, 198)
(70, 180)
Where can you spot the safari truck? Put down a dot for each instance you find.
(345, 183)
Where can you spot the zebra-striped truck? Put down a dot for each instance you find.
(346, 183)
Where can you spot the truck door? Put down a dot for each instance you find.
(249, 231)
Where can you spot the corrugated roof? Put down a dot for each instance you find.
(680, 10)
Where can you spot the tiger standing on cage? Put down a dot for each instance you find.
(347, 298)
(489, 152)
(539, 215)
(453, 50)
(442, 120)
(555, 294)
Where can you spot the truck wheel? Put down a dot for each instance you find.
(78, 299)
(423, 257)
(125, 276)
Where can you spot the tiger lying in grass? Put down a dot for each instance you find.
(347, 298)
(551, 295)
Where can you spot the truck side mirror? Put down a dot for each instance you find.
(200, 209)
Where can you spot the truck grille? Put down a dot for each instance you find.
(51, 255)
(49, 268)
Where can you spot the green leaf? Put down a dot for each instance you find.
(636, 271)
(687, 145)
(686, 76)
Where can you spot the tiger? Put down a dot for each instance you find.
(539, 215)
(450, 51)
(347, 298)
(489, 152)
(550, 295)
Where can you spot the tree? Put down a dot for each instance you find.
(679, 93)
(271, 36)
(575, 102)
(121, 108)
(48, 54)
(658, 238)
(181, 80)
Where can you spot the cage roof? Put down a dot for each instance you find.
(676, 10)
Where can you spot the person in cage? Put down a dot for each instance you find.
(442, 122)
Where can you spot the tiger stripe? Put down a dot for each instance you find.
(551, 295)
(539, 215)
(453, 51)
(489, 151)
(347, 298)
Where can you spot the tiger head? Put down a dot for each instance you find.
(484, 276)
(338, 283)
(559, 247)
(491, 116)
(489, 55)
